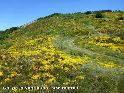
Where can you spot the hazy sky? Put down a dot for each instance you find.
(19, 12)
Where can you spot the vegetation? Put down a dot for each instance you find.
(99, 15)
(5, 34)
(80, 50)
(88, 12)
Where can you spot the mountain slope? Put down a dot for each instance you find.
(84, 50)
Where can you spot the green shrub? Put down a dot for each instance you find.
(3, 36)
(88, 12)
(121, 18)
(99, 15)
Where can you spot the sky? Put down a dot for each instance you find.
(18, 12)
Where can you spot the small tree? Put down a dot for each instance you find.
(88, 12)
(99, 15)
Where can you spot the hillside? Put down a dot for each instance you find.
(84, 50)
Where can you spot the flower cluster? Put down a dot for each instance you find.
(38, 60)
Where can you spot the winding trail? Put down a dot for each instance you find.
(68, 43)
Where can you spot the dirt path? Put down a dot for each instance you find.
(68, 43)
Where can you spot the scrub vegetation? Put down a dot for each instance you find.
(84, 50)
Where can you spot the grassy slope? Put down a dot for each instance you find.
(65, 50)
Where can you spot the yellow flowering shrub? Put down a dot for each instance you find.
(44, 53)
(108, 65)
(40, 61)
(108, 42)
(1, 74)
(35, 77)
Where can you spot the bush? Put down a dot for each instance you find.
(99, 15)
(88, 12)
(10, 30)
(121, 18)
(3, 36)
